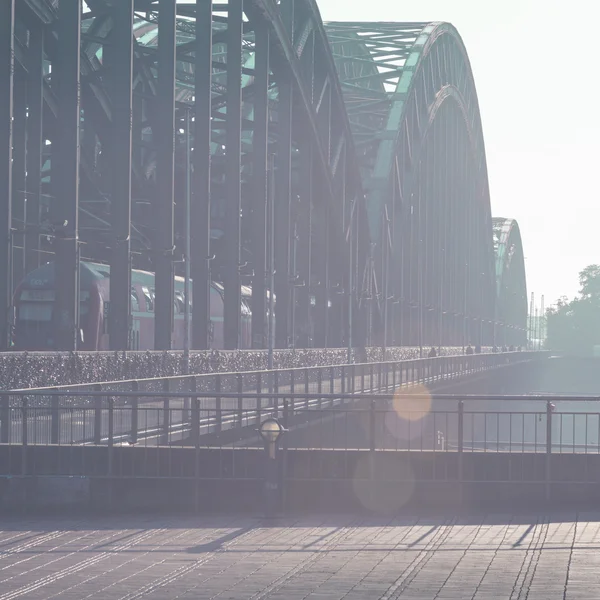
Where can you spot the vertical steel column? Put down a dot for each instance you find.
(307, 192)
(65, 174)
(233, 199)
(260, 144)
(164, 119)
(322, 291)
(122, 96)
(283, 176)
(7, 32)
(305, 239)
(19, 197)
(201, 157)
(283, 183)
(35, 144)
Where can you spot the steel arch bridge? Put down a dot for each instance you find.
(511, 294)
(366, 137)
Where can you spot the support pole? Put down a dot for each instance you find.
(65, 174)
(122, 93)
(7, 32)
(35, 144)
(200, 207)
(233, 150)
(164, 118)
(259, 214)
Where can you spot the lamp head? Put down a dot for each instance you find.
(270, 430)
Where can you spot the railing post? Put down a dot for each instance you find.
(111, 433)
(292, 387)
(24, 416)
(259, 399)
(372, 415)
(195, 424)
(240, 400)
(4, 418)
(97, 416)
(319, 388)
(218, 408)
(185, 415)
(24, 432)
(166, 412)
(135, 388)
(461, 437)
(331, 380)
(275, 400)
(549, 447)
(55, 418)
(306, 384)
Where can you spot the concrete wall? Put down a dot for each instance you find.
(182, 479)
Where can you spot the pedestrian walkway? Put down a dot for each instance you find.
(538, 556)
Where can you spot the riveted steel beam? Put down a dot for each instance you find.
(283, 180)
(7, 31)
(233, 200)
(201, 189)
(259, 202)
(19, 196)
(122, 104)
(65, 174)
(164, 140)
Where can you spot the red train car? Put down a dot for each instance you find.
(34, 302)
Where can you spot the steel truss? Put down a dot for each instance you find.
(413, 108)
(511, 305)
(382, 219)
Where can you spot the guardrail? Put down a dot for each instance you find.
(173, 410)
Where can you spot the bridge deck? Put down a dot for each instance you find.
(543, 556)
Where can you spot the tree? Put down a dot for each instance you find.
(574, 326)
(589, 280)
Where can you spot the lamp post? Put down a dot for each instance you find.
(270, 431)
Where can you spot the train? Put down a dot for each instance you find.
(34, 310)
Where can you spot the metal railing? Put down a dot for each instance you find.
(175, 409)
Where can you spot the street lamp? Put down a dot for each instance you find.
(270, 431)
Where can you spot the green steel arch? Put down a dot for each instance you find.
(413, 109)
(511, 285)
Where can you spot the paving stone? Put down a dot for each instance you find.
(319, 558)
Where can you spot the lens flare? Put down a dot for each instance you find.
(412, 404)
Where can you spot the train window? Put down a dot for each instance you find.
(135, 302)
(179, 303)
(29, 311)
(149, 297)
(246, 312)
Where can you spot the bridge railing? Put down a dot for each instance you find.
(173, 410)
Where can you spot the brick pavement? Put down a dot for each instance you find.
(538, 557)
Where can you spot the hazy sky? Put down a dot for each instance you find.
(536, 70)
